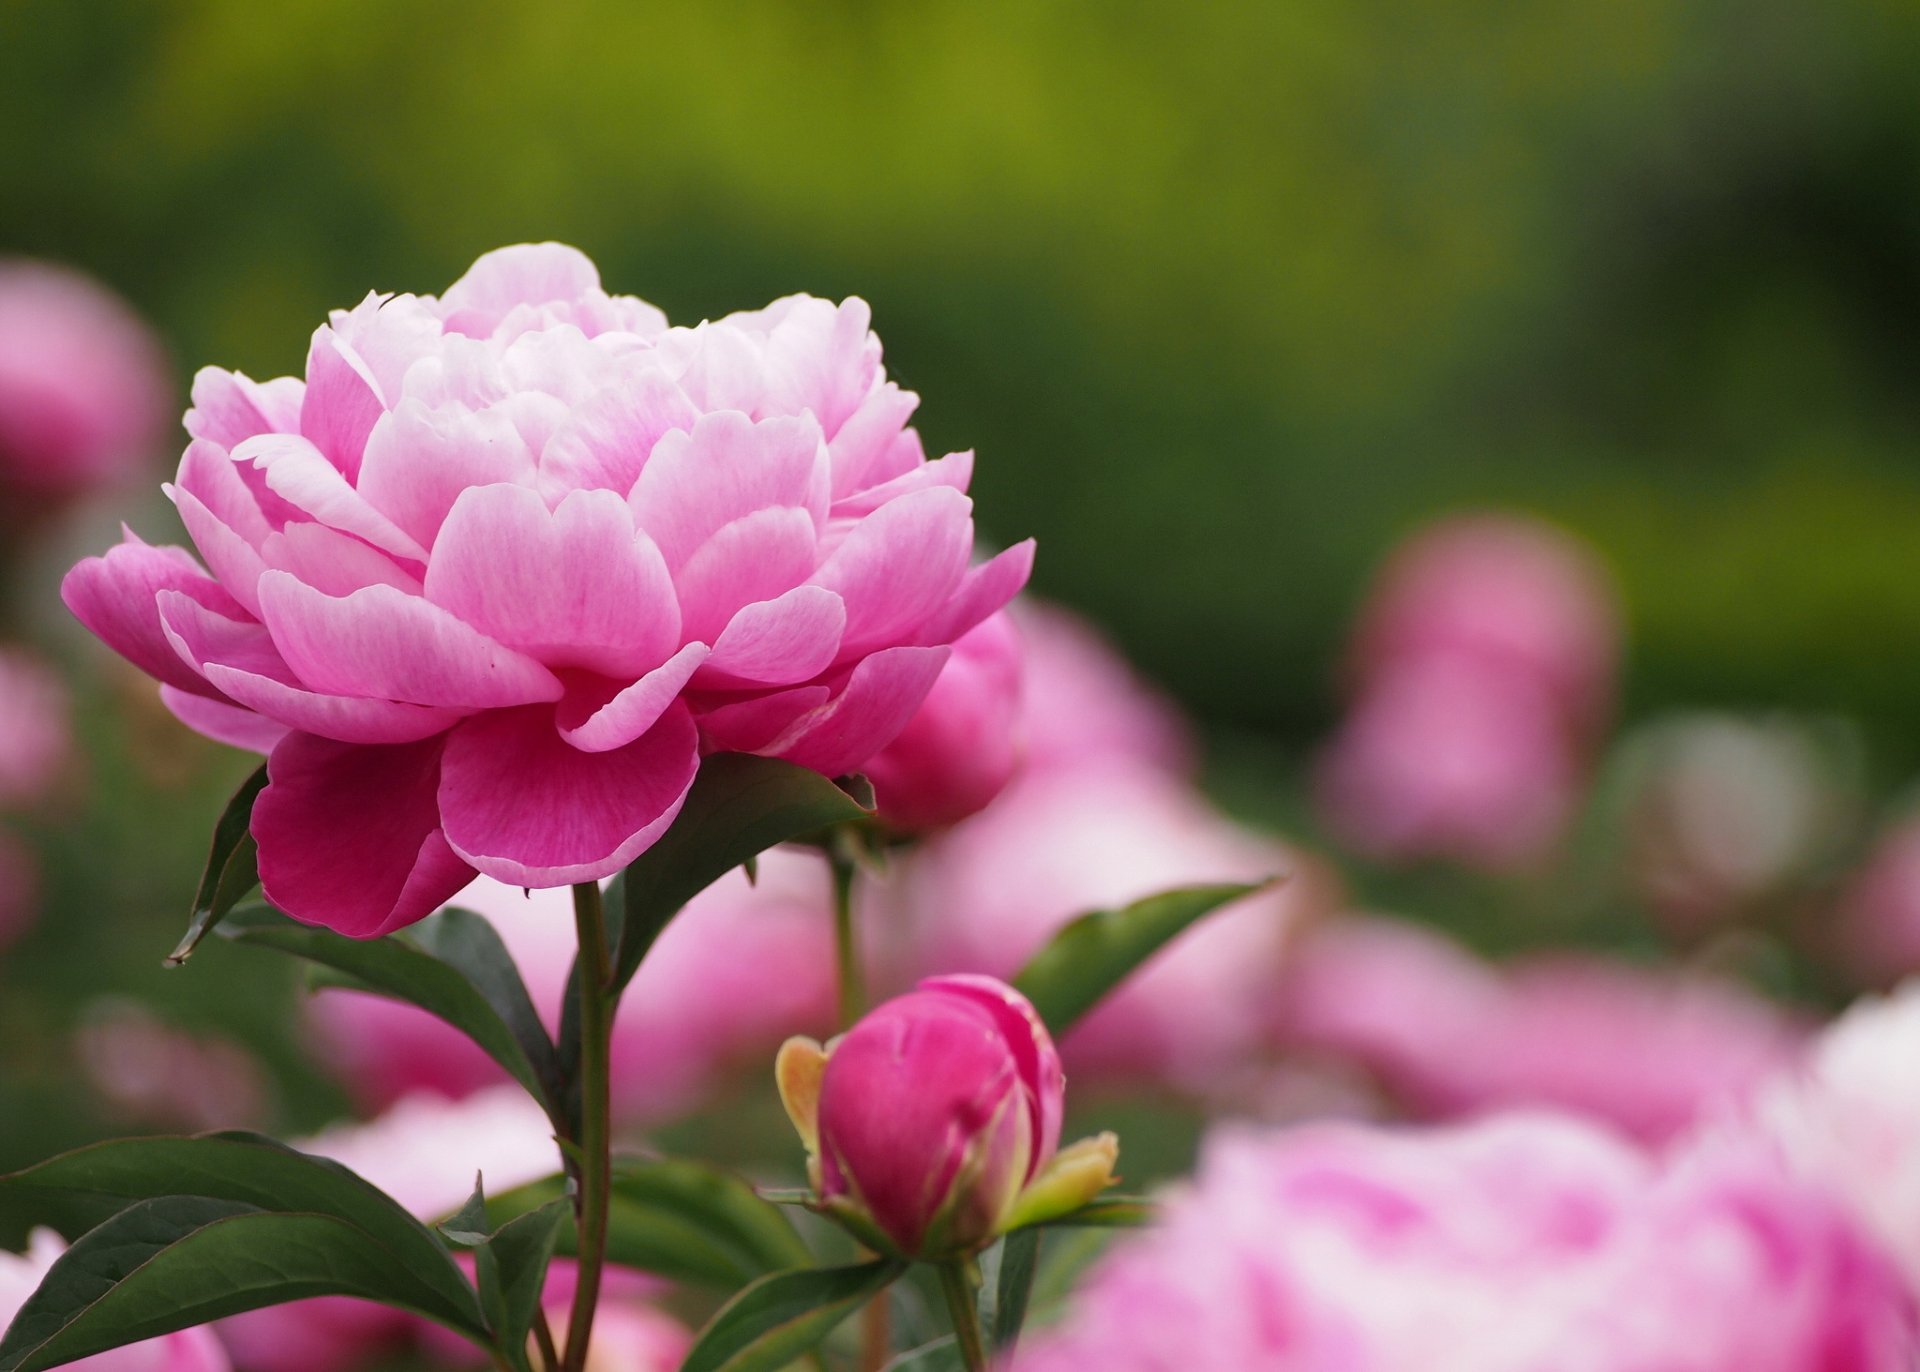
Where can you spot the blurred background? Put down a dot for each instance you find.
(1231, 300)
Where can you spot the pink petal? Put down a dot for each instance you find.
(382, 642)
(629, 714)
(213, 477)
(223, 723)
(114, 596)
(862, 442)
(573, 587)
(230, 406)
(747, 726)
(879, 698)
(1032, 1047)
(954, 470)
(606, 441)
(756, 558)
(341, 403)
(523, 806)
(333, 562)
(524, 274)
(300, 475)
(900, 564)
(419, 460)
(234, 562)
(779, 642)
(350, 835)
(726, 468)
(984, 591)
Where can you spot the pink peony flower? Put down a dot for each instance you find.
(987, 895)
(1515, 592)
(1647, 1051)
(1522, 1244)
(1449, 758)
(1879, 914)
(1085, 708)
(963, 744)
(84, 386)
(493, 576)
(35, 740)
(154, 1073)
(740, 969)
(189, 1350)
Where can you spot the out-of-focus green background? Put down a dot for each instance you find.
(1225, 296)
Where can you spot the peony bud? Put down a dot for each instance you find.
(932, 1125)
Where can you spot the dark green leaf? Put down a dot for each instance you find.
(232, 868)
(1092, 955)
(941, 1355)
(782, 1316)
(77, 1190)
(467, 1226)
(512, 1267)
(168, 1264)
(397, 967)
(740, 806)
(472, 946)
(1009, 1288)
(1108, 1212)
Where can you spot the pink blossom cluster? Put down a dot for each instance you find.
(1483, 660)
(489, 580)
(1523, 1243)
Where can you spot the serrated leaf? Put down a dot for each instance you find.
(401, 969)
(178, 1261)
(1008, 1288)
(782, 1316)
(1093, 954)
(232, 867)
(85, 1187)
(740, 806)
(512, 1269)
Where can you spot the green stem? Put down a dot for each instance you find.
(543, 1336)
(596, 1143)
(965, 1314)
(853, 980)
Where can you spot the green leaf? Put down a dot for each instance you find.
(940, 1355)
(471, 945)
(178, 1261)
(512, 1267)
(399, 967)
(739, 807)
(77, 1190)
(1109, 1212)
(1093, 954)
(231, 871)
(784, 1315)
(1009, 1287)
(467, 1226)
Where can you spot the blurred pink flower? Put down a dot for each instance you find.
(963, 744)
(1084, 708)
(1878, 920)
(151, 1072)
(495, 574)
(35, 737)
(1520, 1244)
(739, 970)
(19, 889)
(1448, 757)
(1520, 594)
(84, 386)
(1446, 1034)
(986, 895)
(189, 1350)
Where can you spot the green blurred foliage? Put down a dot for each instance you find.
(1227, 296)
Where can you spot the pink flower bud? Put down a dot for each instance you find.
(963, 744)
(928, 1120)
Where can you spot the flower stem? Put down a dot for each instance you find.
(966, 1315)
(853, 980)
(596, 1143)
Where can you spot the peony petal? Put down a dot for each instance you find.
(114, 596)
(632, 712)
(900, 564)
(523, 274)
(726, 468)
(984, 591)
(605, 442)
(223, 723)
(229, 406)
(234, 562)
(523, 806)
(350, 835)
(756, 558)
(211, 475)
(747, 726)
(954, 470)
(333, 562)
(878, 699)
(1031, 1045)
(419, 460)
(382, 642)
(779, 642)
(341, 402)
(862, 442)
(573, 587)
(300, 475)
